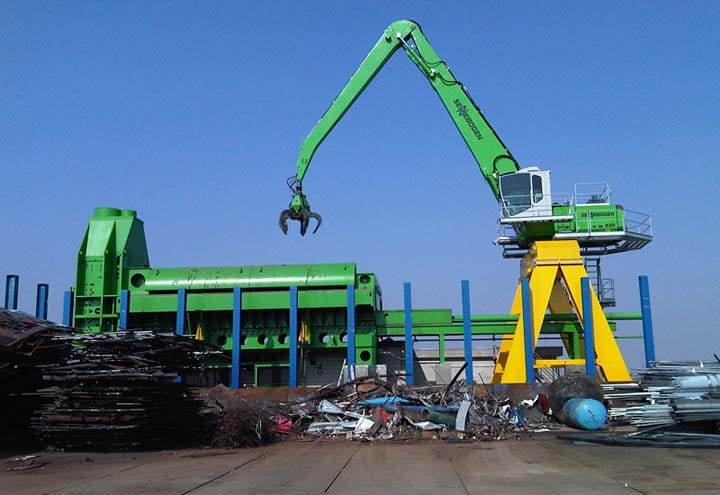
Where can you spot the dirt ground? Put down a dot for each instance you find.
(542, 464)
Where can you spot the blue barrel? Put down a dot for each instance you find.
(585, 414)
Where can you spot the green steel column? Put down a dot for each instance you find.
(577, 352)
(441, 347)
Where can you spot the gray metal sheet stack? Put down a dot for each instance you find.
(668, 392)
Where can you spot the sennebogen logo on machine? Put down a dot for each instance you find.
(463, 112)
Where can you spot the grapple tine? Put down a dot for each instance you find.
(284, 215)
(304, 220)
(317, 218)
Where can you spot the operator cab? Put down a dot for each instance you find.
(525, 195)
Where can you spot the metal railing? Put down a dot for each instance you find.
(638, 223)
(591, 193)
(520, 207)
(598, 233)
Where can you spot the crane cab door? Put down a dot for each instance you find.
(525, 195)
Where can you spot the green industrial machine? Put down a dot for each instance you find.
(113, 264)
(529, 211)
(297, 324)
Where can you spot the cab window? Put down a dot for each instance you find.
(537, 193)
(515, 191)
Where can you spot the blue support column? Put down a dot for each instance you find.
(467, 331)
(588, 327)
(236, 337)
(12, 285)
(293, 377)
(409, 365)
(180, 318)
(648, 337)
(41, 301)
(68, 308)
(528, 337)
(350, 332)
(124, 309)
(181, 310)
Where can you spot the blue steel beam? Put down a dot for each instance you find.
(180, 318)
(293, 378)
(350, 332)
(409, 365)
(68, 308)
(41, 301)
(528, 337)
(647, 325)
(124, 309)
(467, 331)
(12, 285)
(237, 337)
(588, 327)
(181, 310)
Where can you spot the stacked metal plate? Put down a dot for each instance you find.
(668, 392)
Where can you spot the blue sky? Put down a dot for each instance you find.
(193, 114)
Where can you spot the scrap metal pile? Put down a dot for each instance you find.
(673, 404)
(111, 391)
(25, 341)
(372, 410)
(118, 391)
(242, 423)
(369, 409)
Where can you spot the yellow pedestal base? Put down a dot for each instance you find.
(555, 269)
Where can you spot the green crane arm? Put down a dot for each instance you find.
(492, 156)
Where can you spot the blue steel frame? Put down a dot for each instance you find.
(41, 301)
(350, 332)
(181, 310)
(12, 285)
(467, 331)
(528, 331)
(647, 325)
(409, 364)
(124, 310)
(11, 296)
(68, 304)
(293, 376)
(588, 327)
(237, 337)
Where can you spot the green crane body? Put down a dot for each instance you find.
(528, 209)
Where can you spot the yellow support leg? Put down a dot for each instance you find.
(555, 269)
(607, 353)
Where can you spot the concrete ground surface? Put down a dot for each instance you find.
(541, 464)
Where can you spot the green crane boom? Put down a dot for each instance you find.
(527, 207)
(491, 154)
